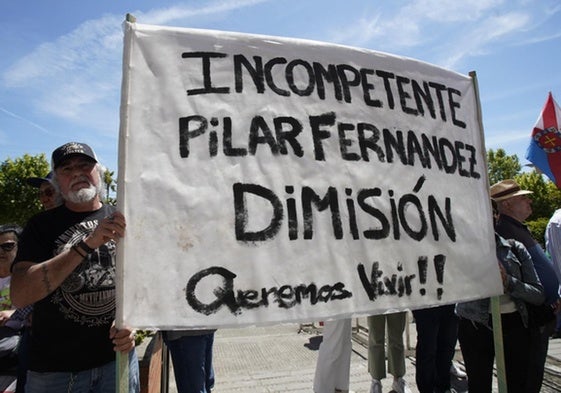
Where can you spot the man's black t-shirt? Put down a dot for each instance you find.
(70, 328)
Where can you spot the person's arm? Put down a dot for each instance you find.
(5, 316)
(528, 287)
(32, 282)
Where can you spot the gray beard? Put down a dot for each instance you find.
(83, 195)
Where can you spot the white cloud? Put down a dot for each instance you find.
(178, 13)
(21, 118)
(446, 32)
(449, 11)
(77, 76)
(506, 137)
(477, 38)
(379, 30)
(88, 46)
(538, 39)
(414, 24)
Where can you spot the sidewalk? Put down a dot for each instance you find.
(282, 358)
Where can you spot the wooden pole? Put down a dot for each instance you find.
(122, 360)
(495, 309)
(499, 347)
(122, 373)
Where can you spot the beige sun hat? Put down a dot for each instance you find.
(506, 189)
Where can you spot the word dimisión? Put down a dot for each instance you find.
(408, 214)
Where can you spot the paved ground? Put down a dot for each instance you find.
(283, 358)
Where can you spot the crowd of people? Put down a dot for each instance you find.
(529, 316)
(57, 299)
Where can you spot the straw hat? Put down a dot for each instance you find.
(506, 189)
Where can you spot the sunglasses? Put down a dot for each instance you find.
(8, 246)
(47, 192)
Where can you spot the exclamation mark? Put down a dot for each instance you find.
(422, 262)
(439, 261)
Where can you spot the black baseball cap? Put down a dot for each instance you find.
(37, 181)
(62, 153)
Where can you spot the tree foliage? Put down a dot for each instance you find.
(546, 196)
(501, 166)
(537, 229)
(18, 200)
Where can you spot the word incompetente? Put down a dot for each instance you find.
(303, 78)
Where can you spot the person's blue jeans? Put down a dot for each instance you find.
(437, 333)
(96, 380)
(192, 362)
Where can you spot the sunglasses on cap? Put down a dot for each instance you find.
(47, 192)
(8, 246)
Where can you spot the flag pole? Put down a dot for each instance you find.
(495, 305)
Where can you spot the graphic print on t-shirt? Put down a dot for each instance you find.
(87, 296)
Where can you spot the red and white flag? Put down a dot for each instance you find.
(544, 150)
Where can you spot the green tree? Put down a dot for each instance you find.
(546, 196)
(18, 200)
(110, 187)
(501, 166)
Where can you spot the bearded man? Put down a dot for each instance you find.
(65, 266)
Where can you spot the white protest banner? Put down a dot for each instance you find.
(268, 180)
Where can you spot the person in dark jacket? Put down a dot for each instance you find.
(475, 332)
(514, 207)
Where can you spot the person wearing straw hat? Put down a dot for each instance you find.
(515, 206)
(521, 286)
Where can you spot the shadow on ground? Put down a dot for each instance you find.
(314, 342)
(459, 384)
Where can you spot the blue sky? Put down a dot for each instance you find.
(60, 69)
